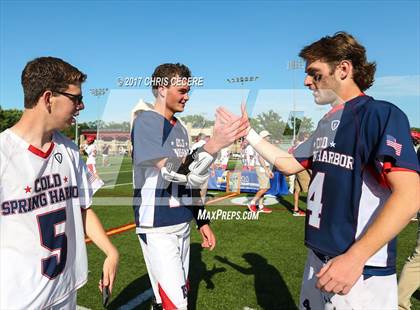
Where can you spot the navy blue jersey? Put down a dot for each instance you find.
(348, 153)
(156, 204)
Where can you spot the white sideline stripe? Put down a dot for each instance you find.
(81, 308)
(128, 201)
(121, 184)
(113, 172)
(136, 301)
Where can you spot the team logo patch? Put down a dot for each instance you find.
(58, 157)
(334, 124)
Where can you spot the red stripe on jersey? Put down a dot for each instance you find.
(188, 284)
(307, 164)
(166, 302)
(379, 177)
(389, 167)
(39, 152)
(339, 107)
(334, 109)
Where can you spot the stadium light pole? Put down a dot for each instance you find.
(294, 65)
(242, 80)
(98, 92)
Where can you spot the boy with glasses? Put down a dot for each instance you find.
(45, 197)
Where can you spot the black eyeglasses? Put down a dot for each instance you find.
(77, 99)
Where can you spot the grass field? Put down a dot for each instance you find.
(256, 264)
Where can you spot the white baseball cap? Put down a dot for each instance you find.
(264, 134)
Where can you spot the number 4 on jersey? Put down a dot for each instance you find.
(314, 200)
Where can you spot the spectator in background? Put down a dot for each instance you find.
(291, 178)
(243, 157)
(91, 151)
(129, 150)
(105, 154)
(264, 175)
(249, 155)
(409, 280)
(200, 140)
(224, 158)
(122, 151)
(302, 179)
(415, 136)
(416, 140)
(410, 277)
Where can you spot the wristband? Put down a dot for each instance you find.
(253, 138)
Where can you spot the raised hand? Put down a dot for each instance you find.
(227, 128)
(225, 116)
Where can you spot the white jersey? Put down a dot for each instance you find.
(250, 155)
(42, 250)
(91, 152)
(224, 156)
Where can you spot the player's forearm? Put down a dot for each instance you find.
(401, 206)
(284, 162)
(197, 211)
(95, 231)
(212, 147)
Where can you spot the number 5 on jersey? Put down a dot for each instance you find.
(53, 265)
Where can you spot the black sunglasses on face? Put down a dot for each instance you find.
(77, 99)
(317, 77)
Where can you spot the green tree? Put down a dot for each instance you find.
(124, 126)
(304, 124)
(255, 124)
(272, 122)
(69, 132)
(197, 121)
(9, 117)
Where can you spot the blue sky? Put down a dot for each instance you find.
(217, 40)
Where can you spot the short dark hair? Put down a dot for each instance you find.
(165, 72)
(342, 46)
(48, 73)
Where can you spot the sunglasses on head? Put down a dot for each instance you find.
(77, 99)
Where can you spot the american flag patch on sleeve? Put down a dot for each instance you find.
(392, 142)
